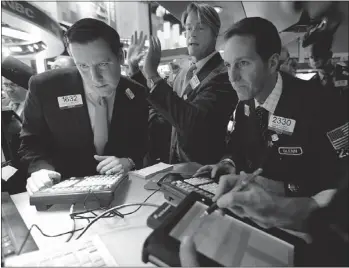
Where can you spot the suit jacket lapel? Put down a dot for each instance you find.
(81, 115)
(212, 63)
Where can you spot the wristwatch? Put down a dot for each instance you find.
(153, 81)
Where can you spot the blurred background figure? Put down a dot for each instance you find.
(15, 80)
(174, 70)
(63, 62)
(13, 96)
(331, 76)
(284, 56)
(14, 84)
(289, 66)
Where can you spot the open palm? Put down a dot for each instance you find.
(135, 51)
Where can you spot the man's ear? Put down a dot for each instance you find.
(274, 62)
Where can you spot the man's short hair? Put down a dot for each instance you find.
(206, 14)
(267, 38)
(87, 30)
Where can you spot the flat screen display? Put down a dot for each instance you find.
(231, 242)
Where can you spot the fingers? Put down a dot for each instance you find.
(104, 162)
(226, 183)
(232, 199)
(187, 252)
(142, 42)
(100, 157)
(54, 176)
(114, 166)
(136, 39)
(203, 169)
(115, 170)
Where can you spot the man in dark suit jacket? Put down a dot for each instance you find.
(201, 100)
(85, 120)
(287, 134)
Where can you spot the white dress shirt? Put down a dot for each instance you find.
(91, 100)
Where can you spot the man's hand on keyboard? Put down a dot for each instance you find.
(110, 165)
(42, 179)
(217, 170)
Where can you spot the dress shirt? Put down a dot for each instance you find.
(273, 98)
(199, 65)
(91, 100)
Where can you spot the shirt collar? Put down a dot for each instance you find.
(273, 98)
(200, 64)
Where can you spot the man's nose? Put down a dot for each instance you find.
(95, 75)
(234, 74)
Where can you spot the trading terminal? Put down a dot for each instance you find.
(144, 216)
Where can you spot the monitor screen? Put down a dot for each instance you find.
(231, 242)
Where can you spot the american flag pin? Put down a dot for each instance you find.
(339, 137)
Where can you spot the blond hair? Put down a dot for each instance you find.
(206, 14)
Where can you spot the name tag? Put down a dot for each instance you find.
(247, 110)
(341, 83)
(129, 94)
(194, 82)
(290, 150)
(185, 97)
(70, 101)
(281, 125)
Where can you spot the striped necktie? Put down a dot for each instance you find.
(101, 125)
(262, 118)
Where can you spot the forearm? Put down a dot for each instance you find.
(293, 213)
(34, 155)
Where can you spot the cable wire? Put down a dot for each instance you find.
(111, 209)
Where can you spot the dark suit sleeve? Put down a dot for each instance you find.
(215, 100)
(139, 77)
(140, 129)
(35, 137)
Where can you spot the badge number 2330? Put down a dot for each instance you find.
(281, 124)
(282, 121)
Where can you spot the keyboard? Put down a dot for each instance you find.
(176, 188)
(89, 252)
(76, 190)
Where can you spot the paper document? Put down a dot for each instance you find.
(7, 172)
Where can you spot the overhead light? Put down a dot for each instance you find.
(6, 31)
(16, 49)
(30, 48)
(43, 45)
(218, 9)
(36, 46)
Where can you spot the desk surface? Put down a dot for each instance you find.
(123, 237)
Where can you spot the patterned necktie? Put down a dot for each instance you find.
(262, 118)
(190, 73)
(101, 126)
